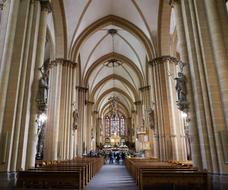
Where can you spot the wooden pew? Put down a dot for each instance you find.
(182, 178)
(146, 172)
(49, 179)
(52, 174)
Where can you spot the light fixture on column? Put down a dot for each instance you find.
(113, 62)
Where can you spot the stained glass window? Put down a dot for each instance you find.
(122, 126)
(107, 126)
(115, 125)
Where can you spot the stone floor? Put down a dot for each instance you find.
(111, 177)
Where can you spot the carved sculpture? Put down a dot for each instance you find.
(75, 119)
(43, 89)
(181, 91)
(151, 119)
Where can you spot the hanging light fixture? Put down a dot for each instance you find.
(113, 62)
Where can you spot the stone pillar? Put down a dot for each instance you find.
(99, 127)
(139, 114)
(31, 47)
(162, 120)
(215, 110)
(147, 111)
(59, 130)
(7, 49)
(45, 8)
(89, 106)
(219, 50)
(13, 88)
(81, 128)
(133, 126)
(95, 127)
(22, 104)
(191, 110)
(4, 18)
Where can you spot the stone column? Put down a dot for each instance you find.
(4, 18)
(89, 106)
(28, 73)
(215, 110)
(139, 114)
(184, 57)
(147, 111)
(59, 129)
(14, 74)
(219, 50)
(45, 8)
(162, 111)
(133, 126)
(99, 127)
(24, 90)
(7, 50)
(81, 128)
(95, 127)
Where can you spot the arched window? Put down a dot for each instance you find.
(107, 126)
(122, 126)
(115, 125)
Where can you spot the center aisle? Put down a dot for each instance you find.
(112, 177)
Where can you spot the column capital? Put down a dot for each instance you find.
(143, 88)
(89, 102)
(173, 2)
(162, 59)
(138, 102)
(82, 88)
(45, 5)
(95, 112)
(60, 61)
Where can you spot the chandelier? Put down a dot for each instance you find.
(113, 62)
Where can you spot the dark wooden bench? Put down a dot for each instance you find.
(151, 174)
(49, 179)
(184, 179)
(52, 174)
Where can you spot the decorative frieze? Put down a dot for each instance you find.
(163, 59)
(63, 62)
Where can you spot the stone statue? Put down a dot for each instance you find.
(151, 119)
(181, 87)
(75, 119)
(181, 92)
(40, 140)
(43, 89)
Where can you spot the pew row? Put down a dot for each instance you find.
(150, 174)
(68, 174)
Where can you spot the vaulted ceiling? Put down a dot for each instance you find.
(96, 33)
